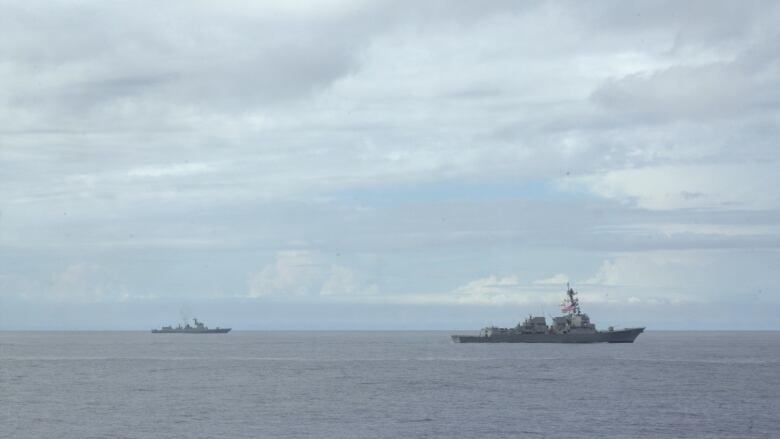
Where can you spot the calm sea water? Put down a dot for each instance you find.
(385, 384)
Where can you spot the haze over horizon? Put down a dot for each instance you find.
(386, 165)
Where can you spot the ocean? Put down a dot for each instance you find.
(385, 385)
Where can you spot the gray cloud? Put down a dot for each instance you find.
(168, 151)
(723, 89)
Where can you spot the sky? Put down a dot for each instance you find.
(389, 164)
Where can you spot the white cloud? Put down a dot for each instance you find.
(342, 281)
(294, 272)
(726, 186)
(509, 290)
(306, 273)
(497, 290)
(174, 170)
(684, 275)
(723, 230)
(656, 270)
(557, 279)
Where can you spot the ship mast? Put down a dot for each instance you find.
(573, 301)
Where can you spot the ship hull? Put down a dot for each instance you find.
(182, 331)
(618, 336)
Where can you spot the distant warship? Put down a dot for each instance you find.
(198, 328)
(574, 327)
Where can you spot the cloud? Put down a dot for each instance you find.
(342, 281)
(305, 273)
(557, 279)
(436, 147)
(727, 88)
(509, 290)
(173, 170)
(117, 65)
(685, 275)
(223, 59)
(491, 289)
(721, 186)
(81, 282)
(293, 273)
(498, 290)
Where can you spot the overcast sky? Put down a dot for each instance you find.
(389, 165)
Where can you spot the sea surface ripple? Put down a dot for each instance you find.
(385, 385)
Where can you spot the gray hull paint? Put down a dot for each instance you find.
(617, 336)
(184, 331)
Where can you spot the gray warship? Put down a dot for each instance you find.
(574, 327)
(196, 328)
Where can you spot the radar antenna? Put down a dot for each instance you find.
(572, 305)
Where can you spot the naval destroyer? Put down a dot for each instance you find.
(573, 327)
(196, 328)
